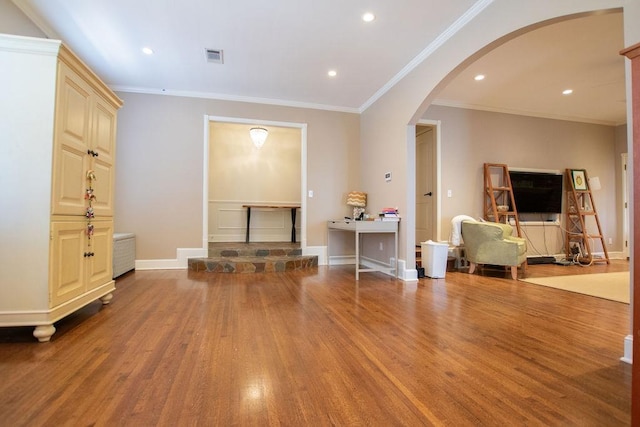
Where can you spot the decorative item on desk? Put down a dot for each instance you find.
(358, 200)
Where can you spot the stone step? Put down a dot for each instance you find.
(253, 264)
(259, 249)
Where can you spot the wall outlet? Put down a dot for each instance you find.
(610, 241)
(381, 246)
(448, 193)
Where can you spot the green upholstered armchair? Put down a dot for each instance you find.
(492, 243)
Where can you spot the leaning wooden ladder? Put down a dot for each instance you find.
(580, 206)
(499, 203)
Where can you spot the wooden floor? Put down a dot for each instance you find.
(317, 348)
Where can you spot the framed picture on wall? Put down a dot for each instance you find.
(579, 179)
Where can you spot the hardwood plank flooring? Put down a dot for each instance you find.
(318, 348)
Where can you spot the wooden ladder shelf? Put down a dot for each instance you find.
(499, 203)
(580, 207)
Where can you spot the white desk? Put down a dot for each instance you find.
(358, 228)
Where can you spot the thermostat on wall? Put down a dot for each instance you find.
(387, 176)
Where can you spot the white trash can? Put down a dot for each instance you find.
(434, 258)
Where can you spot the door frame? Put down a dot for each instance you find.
(303, 171)
(625, 205)
(437, 165)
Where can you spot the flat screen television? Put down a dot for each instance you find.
(536, 192)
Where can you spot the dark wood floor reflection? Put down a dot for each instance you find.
(318, 348)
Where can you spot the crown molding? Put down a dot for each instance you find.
(36, 18)
(13, 43)
(463, 20)
(235, 98)
(478, 107)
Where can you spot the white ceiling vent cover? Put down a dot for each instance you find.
(214, 55)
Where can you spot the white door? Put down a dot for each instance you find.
(425, 183)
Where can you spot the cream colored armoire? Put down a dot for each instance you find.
(57, 154)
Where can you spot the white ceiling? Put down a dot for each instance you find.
(280, 53)
(528, 74)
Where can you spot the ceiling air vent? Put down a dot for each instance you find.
(214, 55)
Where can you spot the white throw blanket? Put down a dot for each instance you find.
(456, 229)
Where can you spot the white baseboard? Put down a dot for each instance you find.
(180, 263)
(628, 350)
(615, 255)
(183, 255)
(342, 260)
(319, 251)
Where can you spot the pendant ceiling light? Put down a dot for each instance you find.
(258, 136)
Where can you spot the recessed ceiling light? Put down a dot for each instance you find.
(567, 91)
(368, 17)
(332, 73)
(147, 51)
(479, 77)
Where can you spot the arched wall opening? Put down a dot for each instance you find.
(387, 125)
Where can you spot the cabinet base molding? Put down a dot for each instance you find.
(43, 320)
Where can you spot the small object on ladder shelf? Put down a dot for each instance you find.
(499, 203)
(580, 207)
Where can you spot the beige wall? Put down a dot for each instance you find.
(13, 21)
(241, 172)
(471, 138)
(159, 177)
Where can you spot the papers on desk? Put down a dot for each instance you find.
(388, 214)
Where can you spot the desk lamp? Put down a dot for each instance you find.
(358, 200)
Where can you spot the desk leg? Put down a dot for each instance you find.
(396, 251)
(248, 222)
(357, 256)
(293, 225)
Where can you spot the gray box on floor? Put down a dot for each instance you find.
(124, 253)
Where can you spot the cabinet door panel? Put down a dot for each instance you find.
(67, 261)
(72, 133)
(100, 264)
(73, 107)
(70, 182)
(104, 130)
(103, 187)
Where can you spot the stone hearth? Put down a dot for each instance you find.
(263, 257)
